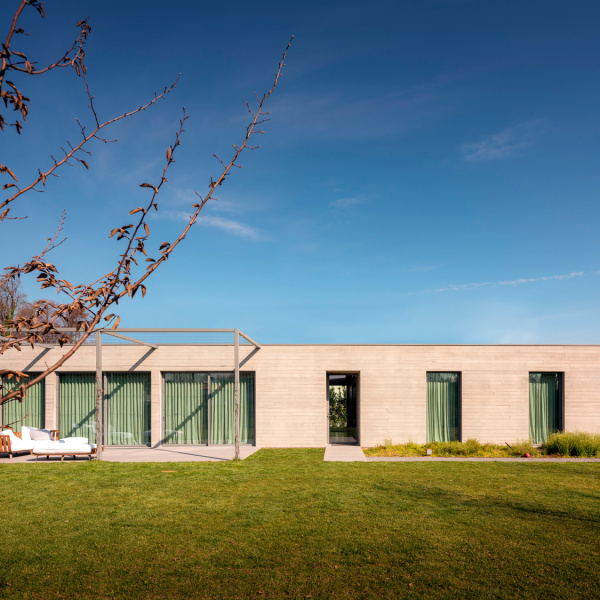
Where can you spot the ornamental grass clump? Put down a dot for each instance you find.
(521, 448)
(389, 449)
(470, 448)
(573, 443)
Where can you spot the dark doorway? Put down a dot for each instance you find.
(343, 408)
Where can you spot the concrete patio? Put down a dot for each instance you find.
(144, 454)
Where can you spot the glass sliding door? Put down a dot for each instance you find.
(443, 407)
(32, 411)
(343, 408)
(77, 405)
(200, 408)
(128, 409)
(545, 392)
(222, 408)
(247, 408)
(186, 408)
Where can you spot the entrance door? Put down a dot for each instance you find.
(343, 408)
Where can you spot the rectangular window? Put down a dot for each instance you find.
(32, 411)
(200, 408)
(77, 405)
(128, 408)
(443, 407)
(186, 408)
(545, 405)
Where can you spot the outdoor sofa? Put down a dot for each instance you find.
(44, 442)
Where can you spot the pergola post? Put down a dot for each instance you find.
(236, 391)
(99, 395)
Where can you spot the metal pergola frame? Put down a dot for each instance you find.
(118, 333)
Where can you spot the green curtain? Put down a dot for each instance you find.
(77, 405)
(186, 408)
(222, 408)
(128, 397)
(543, 406)
(442, 407)
(34, 405)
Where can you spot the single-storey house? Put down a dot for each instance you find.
(309, 395)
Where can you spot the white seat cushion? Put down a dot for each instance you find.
(74, 440)
(65, 445)
(43, 443)
(61, 449)
(16, 444)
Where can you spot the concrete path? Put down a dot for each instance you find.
(160, 454)
(343, 453)
(176, 453)
(474, 459)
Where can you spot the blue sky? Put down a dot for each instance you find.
(429, 173)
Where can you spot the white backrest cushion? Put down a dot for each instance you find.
(9, 433)
(25, 433)
(39, 434)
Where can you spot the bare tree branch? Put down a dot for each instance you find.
(89, 304)
(43, 175)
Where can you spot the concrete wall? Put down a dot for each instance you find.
(291, 385)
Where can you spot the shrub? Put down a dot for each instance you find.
(522, 447)
(444, 448)
(469, 448)
(573, 443)
(472, 447)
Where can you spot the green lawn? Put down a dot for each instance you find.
(284, 524)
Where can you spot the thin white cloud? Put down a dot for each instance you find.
(425, 268)
(534, 279)
(514, 282)
(345, 203)
(505, 144)
(228, 225)
(231, 226)
(181, 196)
(177, 198)
(463, 286)
(363, 113)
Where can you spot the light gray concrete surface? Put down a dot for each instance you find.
(342, 453)
(474, 459)
(160, 454)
